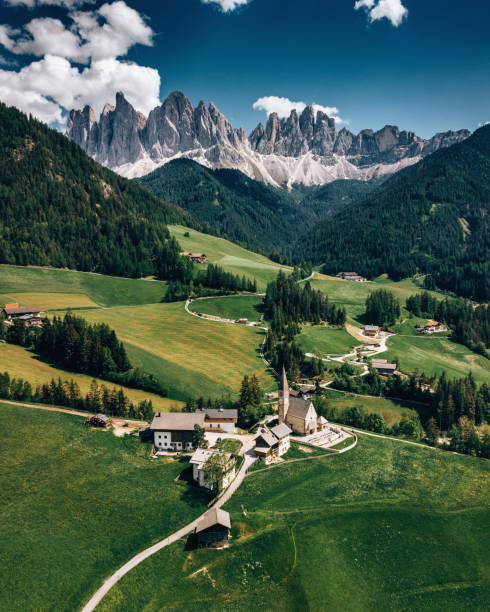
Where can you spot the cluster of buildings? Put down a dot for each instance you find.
(29, 315)
(384, 368)
(194, 257)
(432, 327)
(351, 276)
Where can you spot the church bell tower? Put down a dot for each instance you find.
(283, 397)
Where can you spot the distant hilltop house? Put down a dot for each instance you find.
(352, 276)
(272, 443)
(29, 315)
(194, 257)
(384, 368)
(296, 412)
(200, 475)
(432, 327)
(173, 431)
(98, 420)
(242, 321)
(213, 531)
(371, 331)
(220, 419)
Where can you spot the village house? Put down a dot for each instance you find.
(29, 315)
(220, 419)
(272, 443)
(352, 276)
(198, 462)
(371, 331)
(213, 531)
(194, 257)
(432, 327)
(173, 431)
(383, 367)
(297, 412)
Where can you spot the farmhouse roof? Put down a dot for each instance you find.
(21, 310)
(215, 516)
(201, 455)
(177, 421)
(222, 413)
(298, 407)
(281, 431)
(385, 366)
(371, 327)
(102, 417)
(379, 361)
(267, 437)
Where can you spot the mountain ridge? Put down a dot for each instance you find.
(301, 149)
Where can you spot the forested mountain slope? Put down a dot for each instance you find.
(255, 215)
(432, 218)
(60, 208)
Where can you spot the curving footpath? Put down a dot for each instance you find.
(139, 558)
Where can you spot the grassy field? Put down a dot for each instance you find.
(233, 307)
(385, 526)
(228, 255)
(326, 340)
(435, 355)
(52, 287)
(75, 505)
(391, 410)
(19, 362)
(190, 356)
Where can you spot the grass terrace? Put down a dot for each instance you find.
(232, 307)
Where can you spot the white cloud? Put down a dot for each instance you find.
(100, 39)
(284, 106)
(393, 10)
(34, 3)
(227, 5)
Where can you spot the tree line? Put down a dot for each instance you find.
(73, 344)
(286, 305)
(469, 323)
(66, 393)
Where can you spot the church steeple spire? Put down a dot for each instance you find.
(284, 397)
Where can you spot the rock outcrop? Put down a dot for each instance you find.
(305, 148)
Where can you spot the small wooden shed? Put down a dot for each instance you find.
(214, 529)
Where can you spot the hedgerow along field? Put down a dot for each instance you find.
(190, 356)
(76, 504)
(21, 363)
(385, 526)
(231, 307)
(228, 255)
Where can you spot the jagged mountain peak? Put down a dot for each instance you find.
(304, 147)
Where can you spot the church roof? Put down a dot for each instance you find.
(298, 407)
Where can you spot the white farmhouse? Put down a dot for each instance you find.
(173, 431)
(198, 462)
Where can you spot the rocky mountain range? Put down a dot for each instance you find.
(304, 149)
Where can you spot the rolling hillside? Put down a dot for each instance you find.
(432, 217)
(60, 208)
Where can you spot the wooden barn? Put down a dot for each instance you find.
(214, 529)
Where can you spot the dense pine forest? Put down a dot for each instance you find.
(432, 217)
(60, 208)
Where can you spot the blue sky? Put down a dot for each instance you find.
(427, 70)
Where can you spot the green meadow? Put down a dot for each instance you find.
(232, 307)
(192, 357)
(435, 355)
(228, 255)
(386, 526)
(391, 410)
(75, 505)
(51, 288)
(21, 363)
(321, 340)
